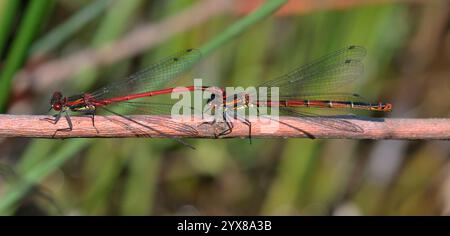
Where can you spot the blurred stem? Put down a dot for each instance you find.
(101, 169)
(67, 29)
(112, 27)
(33, 17)
(7, 13)
(115, 21)
(143, 171)
(242, 25)
(292, 178)
(30, 158)
(37, 173)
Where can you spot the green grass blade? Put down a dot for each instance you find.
(67, 29)
(111, 27)
(242, 25)
(7, 13)
(292, 179)
(33, 17)
(37, 173)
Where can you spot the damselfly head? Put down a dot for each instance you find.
(56, 101)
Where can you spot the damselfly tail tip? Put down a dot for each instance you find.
(387, 107)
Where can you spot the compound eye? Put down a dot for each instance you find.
(57, 107)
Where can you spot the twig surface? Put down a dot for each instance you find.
(32, 126)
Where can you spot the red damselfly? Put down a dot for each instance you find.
(314, 85)
(139, 85)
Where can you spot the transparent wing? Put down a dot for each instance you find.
(329, 122)
(158, 123)
(324, 74)
(163, 109)
(152, 108)
(152, 78)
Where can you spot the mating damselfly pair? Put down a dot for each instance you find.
(313, 85)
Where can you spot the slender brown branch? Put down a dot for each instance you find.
(163, 127)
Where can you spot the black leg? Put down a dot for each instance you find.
(229, 124)
(93, 122)
(69, 122)
(93, 119)
(92, 115)
(211, 123)
(55, 119)
(249, 124)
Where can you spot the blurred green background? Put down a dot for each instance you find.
(408, 44)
